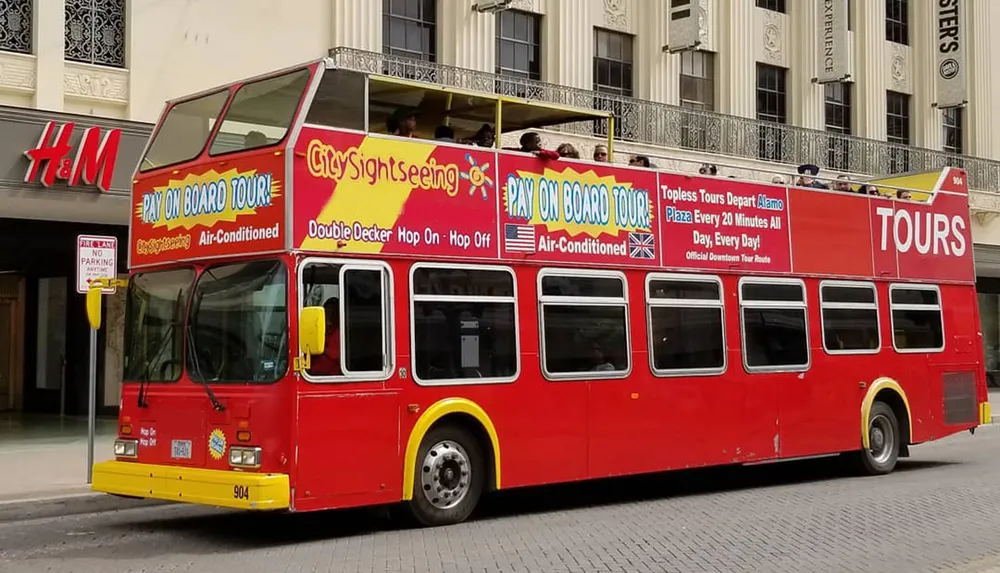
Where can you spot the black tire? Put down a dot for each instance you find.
(884, 441)
(435, 482)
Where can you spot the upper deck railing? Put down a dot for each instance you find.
(664, 125)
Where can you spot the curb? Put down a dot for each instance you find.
(64, 504)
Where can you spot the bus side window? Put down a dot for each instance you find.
(917, 318)
(464, 324)
(339, 101)
(584, 324)
(773, 313)
(849, 313)
(686, 324)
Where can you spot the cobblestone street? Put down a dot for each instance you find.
(939, 512)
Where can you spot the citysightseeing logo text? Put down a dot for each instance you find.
(371, 164)
(207, 199)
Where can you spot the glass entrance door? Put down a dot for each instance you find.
(7, 354)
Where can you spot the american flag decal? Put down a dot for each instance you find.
(641, 246)
(519, 238)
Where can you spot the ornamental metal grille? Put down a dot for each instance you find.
(95, 32)
(15, 26)
(662, 125)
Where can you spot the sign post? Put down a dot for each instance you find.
(97, 269)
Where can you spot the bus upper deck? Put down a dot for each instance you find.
(318, 159)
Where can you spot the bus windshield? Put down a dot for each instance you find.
(259, 116)
(154, 311)
(237, 328)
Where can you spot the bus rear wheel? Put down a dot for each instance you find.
(884, 441)
(448, 478)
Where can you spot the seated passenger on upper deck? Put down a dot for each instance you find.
(809, 171)
(402, 122)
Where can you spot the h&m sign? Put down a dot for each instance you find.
(92, 164)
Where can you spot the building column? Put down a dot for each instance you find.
(50, 53)
(926, 118)
(737, 61)
(657, 71)
(982, 47)
(569, 44)
(869, 59)
(807, 98)
(357, 24)
(466, 38)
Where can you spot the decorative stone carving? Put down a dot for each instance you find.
(898, 64)
(704, 25)
(616, 14)
(17, 72)
(774, 44)
(526, 5)
(91, 82)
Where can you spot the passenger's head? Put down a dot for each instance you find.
(807, 172)
(531, 141)
(639, 161)
(902, 194)
(485, 137)
(403, 121)
(708, 169)
(254, 139)
(601, 153)
(444, 133)
(567, 150)
(842, 184)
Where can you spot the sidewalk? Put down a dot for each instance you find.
(44, 461)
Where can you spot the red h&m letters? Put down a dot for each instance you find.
(94, 163)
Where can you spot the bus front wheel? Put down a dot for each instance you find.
(882, 453)
(448, 477)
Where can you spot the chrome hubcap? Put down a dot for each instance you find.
(881, 441)
(445, 473)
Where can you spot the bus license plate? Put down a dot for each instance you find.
(180, 449)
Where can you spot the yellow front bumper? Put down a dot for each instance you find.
(219, 488)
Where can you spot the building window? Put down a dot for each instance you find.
(774, 5)
(850, 318)
(897, 108)
(697, 89)
(897, 21)
(837, 109)
(686, 327)
(774, 324)
(464, 324)
(584, 325)
(772, 107)
(519, 49)
(917, 322)
(409, 29)
(952, 124)
(95, 32)
(613, 75)
(15, 26)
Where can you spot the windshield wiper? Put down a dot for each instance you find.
(196, 373)
(144, 379)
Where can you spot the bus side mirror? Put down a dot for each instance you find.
(312, 330)
(94, 307)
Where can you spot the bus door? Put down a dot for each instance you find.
(348, 416)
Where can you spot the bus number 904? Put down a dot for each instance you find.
(241, 492)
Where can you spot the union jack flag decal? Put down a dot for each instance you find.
(641, 246)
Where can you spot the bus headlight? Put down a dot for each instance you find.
(126, 448)
(244, 457)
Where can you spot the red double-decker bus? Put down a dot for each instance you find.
(344, 292)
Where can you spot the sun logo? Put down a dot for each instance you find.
(477, 177)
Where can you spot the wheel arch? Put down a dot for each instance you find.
(889, 391)
(463, 413)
